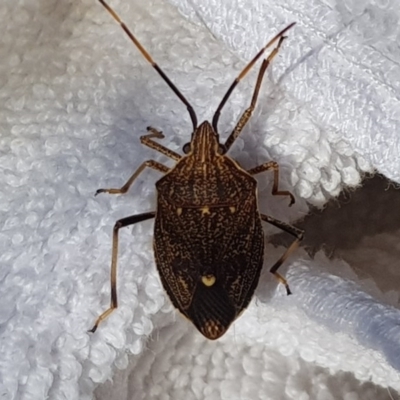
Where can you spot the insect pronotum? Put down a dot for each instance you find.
(208, 239)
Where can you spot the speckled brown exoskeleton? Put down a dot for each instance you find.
(208, 235)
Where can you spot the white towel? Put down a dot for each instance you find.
(75, 98)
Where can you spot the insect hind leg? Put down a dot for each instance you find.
(297, 233)
(118, 225)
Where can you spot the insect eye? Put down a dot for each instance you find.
(186, 148)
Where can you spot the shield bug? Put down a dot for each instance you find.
(208, 237)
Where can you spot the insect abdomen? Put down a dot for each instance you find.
(209, 261)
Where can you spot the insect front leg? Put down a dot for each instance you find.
(149, 163)
(297, 233)
(118, 225)
(275, 167)
(154, 133)
(249, 111)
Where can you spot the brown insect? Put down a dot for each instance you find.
(208, 238)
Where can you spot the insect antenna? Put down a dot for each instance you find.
(246, 69)
(147, 56)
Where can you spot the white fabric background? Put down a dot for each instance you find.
(75, 97)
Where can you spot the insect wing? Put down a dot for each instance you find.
(209, 260)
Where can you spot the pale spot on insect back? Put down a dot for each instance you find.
(205, 210)
(179, 211)
(232, 209)
(183, 283)
(208, 280)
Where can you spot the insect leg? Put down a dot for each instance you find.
(249, 111)
(246, 69)
(119, 224)
(275, 167)
(149, 163)
(154, 133)
(297, 233)
(147, 56)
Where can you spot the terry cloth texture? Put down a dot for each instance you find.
(76, 96)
